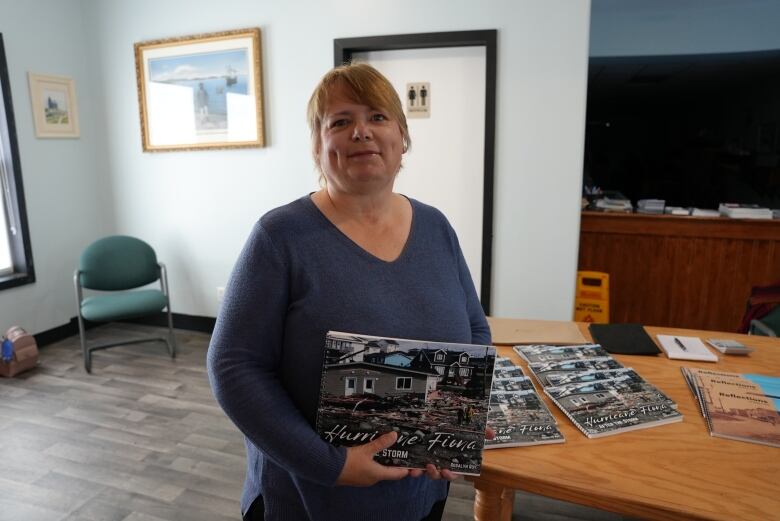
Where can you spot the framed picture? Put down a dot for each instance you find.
(54, 106)
(201, 92)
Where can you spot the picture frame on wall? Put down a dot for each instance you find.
(201, 92)
(54, 106)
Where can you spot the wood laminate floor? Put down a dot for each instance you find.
(142, 439)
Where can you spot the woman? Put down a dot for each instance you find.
(356, 257)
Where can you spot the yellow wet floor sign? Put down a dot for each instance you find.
(591, 300)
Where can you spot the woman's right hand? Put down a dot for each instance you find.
(360, 469)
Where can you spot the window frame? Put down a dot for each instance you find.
(403, 379)
(12, 189)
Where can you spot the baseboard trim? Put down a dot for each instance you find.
(180, 321)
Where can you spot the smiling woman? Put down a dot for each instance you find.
(354, 256)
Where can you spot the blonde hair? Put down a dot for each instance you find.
(364, 85)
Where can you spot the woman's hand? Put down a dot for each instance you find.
(360, 469)
(433, 473)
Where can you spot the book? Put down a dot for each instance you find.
(548, 373)
(546, 353)
(729, 347)
(624, 339)
(743, 407)
(704, 212)
(686, 348)
(520, 418)
(675, 210)
(650, 206)
(744, 211)
(435, 395)
(607, 407)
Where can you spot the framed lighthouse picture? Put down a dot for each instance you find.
(201, 92)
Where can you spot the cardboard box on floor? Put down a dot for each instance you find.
(25, 355)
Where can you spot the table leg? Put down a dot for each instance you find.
(492, 502)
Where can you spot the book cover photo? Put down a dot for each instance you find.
(744, 407)
(606, 407)
(515, 383)
(549, 373)
(521, 418)
(435, 395)
(545, 353)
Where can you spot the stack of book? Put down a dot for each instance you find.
(744, 407)
(744, 211)
(650, 206)
(611, 201)
(517, 414)
(595, 391)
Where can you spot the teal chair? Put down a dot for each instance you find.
(115, 265)
(768, 325)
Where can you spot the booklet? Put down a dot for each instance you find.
(686, 348)
(513, 383)
(546, 353)
(520, 418)
(435, 395)
(743, 407)
(607, 407)
(548, 373)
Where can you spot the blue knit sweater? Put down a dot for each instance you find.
(297, 277)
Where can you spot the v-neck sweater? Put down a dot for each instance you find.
(296, 278)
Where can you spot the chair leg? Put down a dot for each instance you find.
(84, 351)
(171, 341)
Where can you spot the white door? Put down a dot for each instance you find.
(368, 385)
(349, 385)
(445, 166)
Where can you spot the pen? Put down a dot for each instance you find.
(682, 346)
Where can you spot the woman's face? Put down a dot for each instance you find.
(360, 148)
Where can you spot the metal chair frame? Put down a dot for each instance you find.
(756, 326)
(87, 350)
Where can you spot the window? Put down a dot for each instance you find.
(403, 383)
(16, 265)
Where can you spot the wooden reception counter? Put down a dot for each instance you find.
(691, 272)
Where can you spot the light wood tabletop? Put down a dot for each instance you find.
(674, 471)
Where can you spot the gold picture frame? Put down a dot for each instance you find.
(55, 111)
(201, 92)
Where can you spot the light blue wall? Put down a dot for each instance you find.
(64, 187)
(668, 27)
(196, 208)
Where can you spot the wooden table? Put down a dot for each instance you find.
(675, 471)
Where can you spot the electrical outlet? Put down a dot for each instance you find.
(220, 294)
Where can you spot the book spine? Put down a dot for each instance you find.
(318, 421)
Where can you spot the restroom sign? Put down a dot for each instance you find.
(418, 100)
